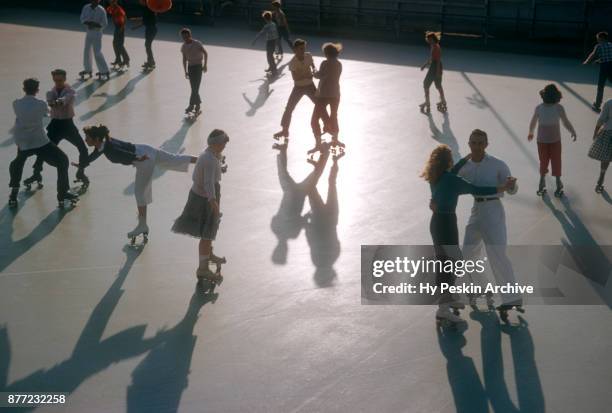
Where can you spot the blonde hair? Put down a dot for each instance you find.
(433, 35)
(331, 49)
(440, 160)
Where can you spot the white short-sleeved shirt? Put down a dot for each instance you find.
(206, 173)
(193, 52)
(302, 68)
(490, 171)
(29, 132)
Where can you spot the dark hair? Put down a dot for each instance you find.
(551, 94)
(185, 30)
(298, 42)
(602, 35)
(59, 72)
(267, 15)
(433, 35)
(276, 3)
(30, 85)
(331, 49)
(99, 132)
(480, 132)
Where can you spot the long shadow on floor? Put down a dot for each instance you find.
(587, 257)
(263, 93)
(479, 100)
(11, 249)
(84, 92)
(159, 380)
(112, 100)
(473, 395)
(172, 145)
(91, 353)
(288, 221)
(445, 136)
(321, 228)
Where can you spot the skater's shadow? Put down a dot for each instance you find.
(288, 221)
(574, 94)
(11, 249)
(159, 380)
(527, 379)
(85, 92)
(321, 227)
(606, 197)
(112, 100)
(91, 354)
(466, 387)
(445, 136)
(587, 257)
(479, 99)
(172, 145)
(263, 94)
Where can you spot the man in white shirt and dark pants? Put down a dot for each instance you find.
(487, 222)
(94, 17)
(31, 139)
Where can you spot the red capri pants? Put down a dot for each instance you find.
(550, 153)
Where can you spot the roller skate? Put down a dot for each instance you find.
(103, 75)
(282, 139)
(35, 178)
(217, 261)
(337, 148)
(82, 179)
(599, 188)
(148, 67)
(505, 308)
(317, 148)
(425, 108)
(73, 199)
(559, 191)
(12, 202)
(442, 107)
(115, 65)
(542, 187)
(473, 301)
(596, 108)
(204, 273)
(85, 74)
(446, 318)
(141, 229)
(194, 113)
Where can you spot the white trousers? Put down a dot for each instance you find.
(487, 224)
(144, 170)
(93, 43)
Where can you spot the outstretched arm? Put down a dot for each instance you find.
(568, 125)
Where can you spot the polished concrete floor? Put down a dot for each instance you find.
(127, 330)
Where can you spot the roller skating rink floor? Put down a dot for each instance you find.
(122, 329)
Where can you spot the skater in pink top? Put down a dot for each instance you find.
(547, 116)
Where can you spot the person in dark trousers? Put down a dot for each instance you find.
(61, 101)
(602, 54)
(271, 33)
(122, 59)
(445, 190)
(149, 21)
(279, 17)
(31, 139)
(195, 62)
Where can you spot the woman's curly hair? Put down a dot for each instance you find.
(440, 160)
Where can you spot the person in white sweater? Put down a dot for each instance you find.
(548, 116)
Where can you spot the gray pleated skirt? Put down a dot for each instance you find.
(197, 219)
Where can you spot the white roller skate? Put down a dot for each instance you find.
(204, 273)
(141, 229)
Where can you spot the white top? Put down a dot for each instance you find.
(490, 171)
(29, 132)
(206, 174)
(270, 31)
(94, 15)
(548, 117)
(302, 69)
(605, 117)
(61, 102)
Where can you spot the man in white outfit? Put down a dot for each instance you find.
(94, 17)
(487, 221)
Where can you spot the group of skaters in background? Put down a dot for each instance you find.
(201, 216)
